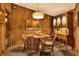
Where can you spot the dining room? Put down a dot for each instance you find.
(39, 29)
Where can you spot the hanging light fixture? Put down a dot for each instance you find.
(37, 14)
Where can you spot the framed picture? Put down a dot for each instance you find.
(32, 24)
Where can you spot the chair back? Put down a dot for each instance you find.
(48, 48)
(33, 44)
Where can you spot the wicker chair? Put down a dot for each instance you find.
(48, 48)
(33, 46)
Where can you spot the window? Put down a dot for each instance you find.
(64, 20)
(54, 22)
(58, 21)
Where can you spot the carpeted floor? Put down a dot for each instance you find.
(59, 50)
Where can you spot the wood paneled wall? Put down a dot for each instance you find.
(2, 38)
(2, 33)
(76, 29)
(16, 21)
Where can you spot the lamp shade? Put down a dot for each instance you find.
(37, 15)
